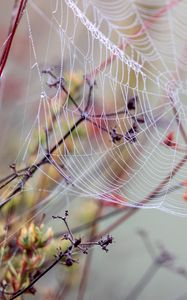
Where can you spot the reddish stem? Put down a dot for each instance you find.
(11, 34)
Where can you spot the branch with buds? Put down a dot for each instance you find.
(65, 257)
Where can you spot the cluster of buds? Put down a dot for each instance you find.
(31, 248)
(34, 237)
(27, 266)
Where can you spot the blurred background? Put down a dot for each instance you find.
(93, 175)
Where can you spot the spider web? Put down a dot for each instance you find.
(132, 50)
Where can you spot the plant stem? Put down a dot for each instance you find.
(11, 33)
(43, 161)
(87, 264)
(38, 277)
(143, 282)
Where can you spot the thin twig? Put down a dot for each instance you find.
(22, 291)
(149, 274)
(11, 33)
(31, 170)
(46, 159)
(87, 264)
(67, 254)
